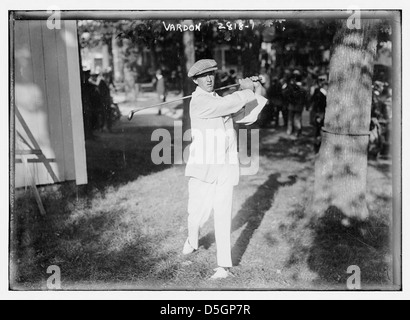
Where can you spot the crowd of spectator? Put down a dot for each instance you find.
(290, 91)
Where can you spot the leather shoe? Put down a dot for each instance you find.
(221, 273)
(187, 247)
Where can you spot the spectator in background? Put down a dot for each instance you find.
(284, 82)
(109, 78)
(297, 98)
(318, 99)
(387, 115)
(276, 101)
(311, 86)
(159, 83)
(264, 117)
(175, 81)
(91, 102)
(318, 109)
(106, 100)
(381, 116)
(105, 122)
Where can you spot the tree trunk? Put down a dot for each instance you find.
(118, 62)
(250, 55)
(188, 87)
(341, 166)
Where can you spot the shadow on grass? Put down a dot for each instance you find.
(91, 249)
(253, 211)
(251, 214)
(82, 249)
(335, 247)
(339, 242)
(122, 156)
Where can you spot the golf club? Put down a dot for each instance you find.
(132, 112)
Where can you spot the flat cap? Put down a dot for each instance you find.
(202, 66)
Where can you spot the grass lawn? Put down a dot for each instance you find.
(126, 228)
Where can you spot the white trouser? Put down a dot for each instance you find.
(203, 197)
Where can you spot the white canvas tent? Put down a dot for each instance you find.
(49, 139)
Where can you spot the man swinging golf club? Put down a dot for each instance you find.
(213, 171)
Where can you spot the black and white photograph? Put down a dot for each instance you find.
(212, 150)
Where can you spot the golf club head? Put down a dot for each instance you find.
(130, 115)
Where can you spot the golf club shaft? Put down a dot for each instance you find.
(131, 114)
